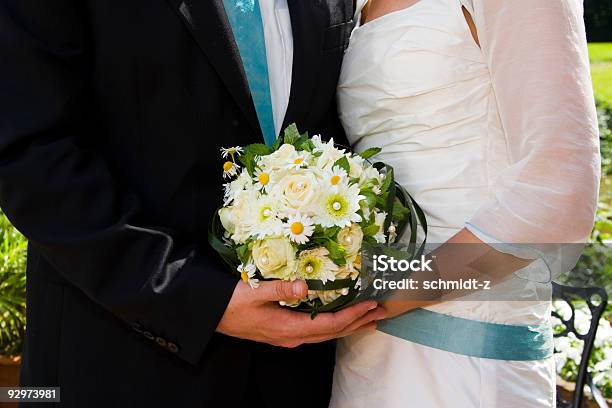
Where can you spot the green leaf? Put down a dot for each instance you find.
(370, 198)
(243, 252)
(248, 161)
(337, 253)
(400, 212)
(299, 142)
(387, 182)
(372, 151)
(371, 230)
(292, 134)
(251, 152)
(307, 145)
(332, 232)
(258, 149)
(278, 142)
(343, 163)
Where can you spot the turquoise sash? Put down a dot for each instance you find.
(247, 26)
(470, 337)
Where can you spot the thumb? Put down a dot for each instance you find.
(282, 290)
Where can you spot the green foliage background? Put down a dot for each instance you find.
(13, 247)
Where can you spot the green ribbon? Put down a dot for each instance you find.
(471, 337)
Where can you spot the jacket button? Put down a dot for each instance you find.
(160, 341)
(173, 348)
(137, 327)
(148, 335)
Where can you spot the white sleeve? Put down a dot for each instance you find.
(359, 5)
(537, 55)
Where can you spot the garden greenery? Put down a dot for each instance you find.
(13, 248)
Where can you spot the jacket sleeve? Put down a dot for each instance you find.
(64, 199)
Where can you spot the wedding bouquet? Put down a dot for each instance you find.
(303, 209)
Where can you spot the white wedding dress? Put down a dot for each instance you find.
(501, 139)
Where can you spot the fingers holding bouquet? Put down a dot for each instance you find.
(256, 315)
(302, 211)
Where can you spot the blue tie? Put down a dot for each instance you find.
(247, 26)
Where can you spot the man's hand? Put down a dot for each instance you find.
(254, 314)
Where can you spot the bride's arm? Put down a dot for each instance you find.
(537, 56)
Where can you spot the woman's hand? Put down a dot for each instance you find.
(464, 256)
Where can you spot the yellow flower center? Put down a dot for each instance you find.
(297, 228)
(299, 160)
(244, 276)
(266, 212)
(264, 178)
(311, 267)
(334, 180)
(227, 166)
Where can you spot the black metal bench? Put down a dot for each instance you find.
(597, 300)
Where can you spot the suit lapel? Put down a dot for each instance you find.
(308, 23)
(207, 22)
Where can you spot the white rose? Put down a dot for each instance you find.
(279, 158)
(226, 215)
(350, 238)
(238, 218)
(356, 166)
(275, 258)
(298, 191)
(349, 270)
(326, 296)
(357, 263)
(368, 174)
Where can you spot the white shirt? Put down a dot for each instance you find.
(279, 53)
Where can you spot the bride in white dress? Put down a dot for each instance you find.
(485, 110)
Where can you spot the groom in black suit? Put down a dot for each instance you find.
(112, 114)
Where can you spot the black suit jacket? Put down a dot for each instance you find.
(112, 114)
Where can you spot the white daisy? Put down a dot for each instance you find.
(230, 169)
(262, 179)
(234, 187)
(338, 206)
(231, 151)
(336, 176)
(298, 228)
(327, 154)
(265, 219)
(298, 161)
(315, 264)
(247, 274)
(316, 140)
